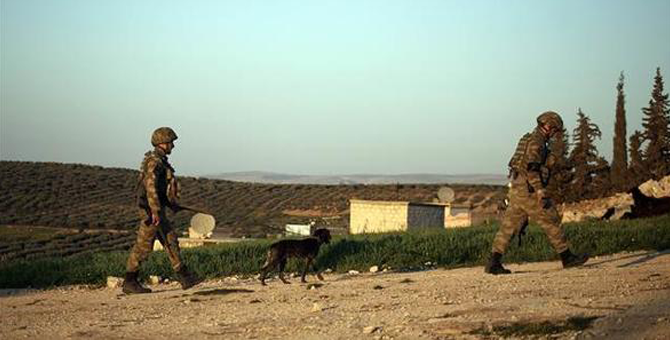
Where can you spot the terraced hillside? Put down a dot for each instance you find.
(93, 197)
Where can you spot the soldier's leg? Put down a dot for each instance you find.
(140, 251)
(142, 248)
(169, 239)
(550, 221)
(515, 217)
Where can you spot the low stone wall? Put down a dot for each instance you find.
(656, 189)
(597, 208)
(613, 207)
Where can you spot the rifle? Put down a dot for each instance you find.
(179, 207)
(522, 231)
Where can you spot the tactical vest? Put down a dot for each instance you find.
(516, 163)
(166, 183)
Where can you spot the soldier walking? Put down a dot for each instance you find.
(527, 196)
(157, 190)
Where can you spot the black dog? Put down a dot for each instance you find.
(306, 248)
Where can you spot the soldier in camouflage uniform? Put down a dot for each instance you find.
(527, 196)
(157, 190)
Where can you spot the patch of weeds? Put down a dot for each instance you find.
(576, 323)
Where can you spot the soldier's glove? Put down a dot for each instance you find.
(545, 202)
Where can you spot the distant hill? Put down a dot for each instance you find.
(94, 197)
(278, 178)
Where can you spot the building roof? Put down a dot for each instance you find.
(439, 204)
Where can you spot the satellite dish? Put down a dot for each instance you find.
(202, 225)
(445, 194)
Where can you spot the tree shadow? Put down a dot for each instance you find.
(591, 262)
(649, 256)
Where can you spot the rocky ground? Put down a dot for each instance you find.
(623, 296)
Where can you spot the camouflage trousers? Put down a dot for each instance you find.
(146, 235)
(522, 206)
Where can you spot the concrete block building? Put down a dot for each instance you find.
(387, 216)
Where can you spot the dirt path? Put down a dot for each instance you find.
(625, 296)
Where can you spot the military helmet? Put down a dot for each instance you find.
(163, 135)
(552, 119)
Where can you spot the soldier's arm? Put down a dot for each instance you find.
(534, 164)
(150, 183)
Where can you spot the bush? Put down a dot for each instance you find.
(407, 251)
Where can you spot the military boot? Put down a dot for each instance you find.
(494, 266)
(187, 279)
(571, 260)
(132, 286)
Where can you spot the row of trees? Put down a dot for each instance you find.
(582, 173)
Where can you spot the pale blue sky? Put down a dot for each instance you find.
(316, 87)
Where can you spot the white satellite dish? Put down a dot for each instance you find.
(202, 225)
(445, 194)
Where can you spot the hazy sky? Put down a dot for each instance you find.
(317, 87)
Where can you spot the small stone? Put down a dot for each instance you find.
(114, 282)
(328, 270)
(354, 272)
(374, 269)
(154, 280)
(428, 264)
(370, 329)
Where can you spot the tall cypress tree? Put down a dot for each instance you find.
(656, 156)
(619, 174)
(585, 160)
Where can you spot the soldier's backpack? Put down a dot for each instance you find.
(515, 164)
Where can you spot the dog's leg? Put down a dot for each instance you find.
(264, 271)
(269, 263)
(282, 264)
(308, 262)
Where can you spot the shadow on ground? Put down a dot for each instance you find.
(639, 258)
(647, 257)
(222, 291)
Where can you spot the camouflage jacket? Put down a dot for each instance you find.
(157, 184)
(534, 160)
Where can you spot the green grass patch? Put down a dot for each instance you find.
(407, 251)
